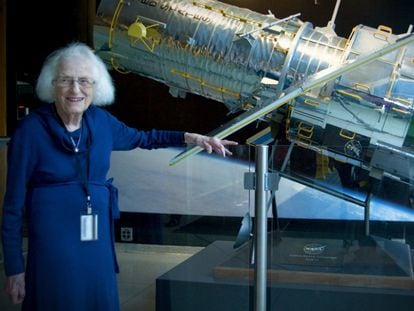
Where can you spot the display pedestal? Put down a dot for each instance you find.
(369, 262)
(345, 278)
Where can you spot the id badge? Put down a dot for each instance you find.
(89, 227)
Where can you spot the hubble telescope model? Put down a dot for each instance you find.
(348, 98)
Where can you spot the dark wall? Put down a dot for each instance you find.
(34, 29)
(38, 27)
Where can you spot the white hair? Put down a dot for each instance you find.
(104, 90)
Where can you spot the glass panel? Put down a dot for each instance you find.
(199, 203)
(315, 186)
(343, 233)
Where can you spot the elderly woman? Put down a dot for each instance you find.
(58, 160)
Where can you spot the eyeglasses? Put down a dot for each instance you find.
(67, 82)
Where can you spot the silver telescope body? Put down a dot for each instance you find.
(245, 59)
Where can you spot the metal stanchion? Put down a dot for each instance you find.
(260, 262)
(261, 181)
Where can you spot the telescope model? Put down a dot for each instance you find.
(350, 99)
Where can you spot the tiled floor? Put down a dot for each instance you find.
(140, 266)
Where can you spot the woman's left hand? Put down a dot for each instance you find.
(210, 144)
(15, 288)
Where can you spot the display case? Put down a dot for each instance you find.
(337, 236)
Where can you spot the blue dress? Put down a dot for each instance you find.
(46, 184)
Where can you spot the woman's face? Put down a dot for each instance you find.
(74, 86)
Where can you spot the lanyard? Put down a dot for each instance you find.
(85, 174)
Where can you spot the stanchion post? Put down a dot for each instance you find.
(260, 262)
